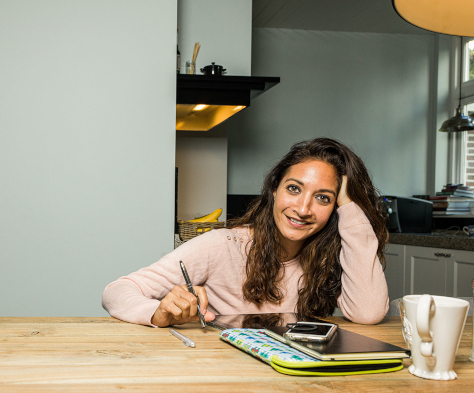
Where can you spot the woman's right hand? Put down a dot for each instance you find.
(180, 306)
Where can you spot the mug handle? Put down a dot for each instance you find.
(425, 306)
(466, 230)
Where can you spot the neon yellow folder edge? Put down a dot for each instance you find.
(287, 360)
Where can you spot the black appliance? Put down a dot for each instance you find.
(408, 215)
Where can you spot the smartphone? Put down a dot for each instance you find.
(310, 331)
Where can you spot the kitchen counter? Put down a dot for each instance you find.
(454, 240)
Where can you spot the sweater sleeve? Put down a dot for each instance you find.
(364, 296)
(135, 298)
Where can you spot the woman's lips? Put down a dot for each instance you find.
(299, 224)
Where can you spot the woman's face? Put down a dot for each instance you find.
(304, 201)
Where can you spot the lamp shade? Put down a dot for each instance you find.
(453, 17)
(458, 122)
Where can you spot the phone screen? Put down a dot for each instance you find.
(321, 330)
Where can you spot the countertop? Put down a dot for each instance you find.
(454, 240)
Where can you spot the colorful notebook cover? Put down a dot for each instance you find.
(287, 360)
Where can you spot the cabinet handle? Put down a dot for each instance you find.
(447, 255)
(439, 254)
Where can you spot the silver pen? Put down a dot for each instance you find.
(191, 289)
(186, 340)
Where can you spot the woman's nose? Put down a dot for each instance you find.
(303, 205)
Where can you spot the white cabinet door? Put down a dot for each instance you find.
(460, 273)
(395, 270)
(425, 271)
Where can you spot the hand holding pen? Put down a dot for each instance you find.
(180, 306)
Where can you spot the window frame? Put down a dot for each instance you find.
(457, 141)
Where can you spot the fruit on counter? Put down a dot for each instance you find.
(211, 217)
(199, 230)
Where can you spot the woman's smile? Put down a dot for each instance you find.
(297, 223)
(304, 201)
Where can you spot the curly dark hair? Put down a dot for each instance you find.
(320, 284)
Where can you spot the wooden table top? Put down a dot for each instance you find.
(107, 355)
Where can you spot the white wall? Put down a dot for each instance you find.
(87, 146)
(224, 30)
(202, 174)
(371, 91)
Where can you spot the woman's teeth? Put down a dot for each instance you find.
(296, 221)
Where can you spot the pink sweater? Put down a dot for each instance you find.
(216, 260)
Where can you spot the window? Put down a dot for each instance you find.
(469, 150)
(467, 103)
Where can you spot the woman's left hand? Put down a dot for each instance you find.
(342, 197)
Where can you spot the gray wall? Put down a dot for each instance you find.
(371, 91)
(224, 30)
(87, 146)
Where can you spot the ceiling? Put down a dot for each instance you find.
(368, 16)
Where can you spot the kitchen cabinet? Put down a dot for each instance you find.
(426, 269)
(437, 271)
(395, 270)
(460, 272)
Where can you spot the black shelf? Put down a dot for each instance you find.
(221, 90)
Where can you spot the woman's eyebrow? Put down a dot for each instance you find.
(295, 180)
(329, 191)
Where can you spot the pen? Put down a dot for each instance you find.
(191, 289)
(186, 340)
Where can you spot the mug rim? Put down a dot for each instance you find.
(460, 302)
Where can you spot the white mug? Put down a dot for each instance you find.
(433, 326)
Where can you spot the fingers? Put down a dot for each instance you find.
(177, 307)
(188, 302)
(342, 197)
(208, 316)
(180, 306)
(202, 294)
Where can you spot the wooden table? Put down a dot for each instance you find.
(107, 355)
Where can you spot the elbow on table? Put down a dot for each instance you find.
(367, 317)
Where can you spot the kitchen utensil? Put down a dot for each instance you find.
(197, 47)
(213, 69)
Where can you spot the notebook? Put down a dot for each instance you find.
(343, 345)
(288, 360)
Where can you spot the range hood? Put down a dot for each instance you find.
(203, 101)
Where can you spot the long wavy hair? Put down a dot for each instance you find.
(320, 284)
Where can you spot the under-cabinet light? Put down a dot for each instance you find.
(238, 108)
(200, 107)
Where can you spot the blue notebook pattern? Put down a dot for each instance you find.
(258, 344)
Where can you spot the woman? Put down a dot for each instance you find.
(309, 242)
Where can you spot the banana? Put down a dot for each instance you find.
(211, 217)
(199, 230)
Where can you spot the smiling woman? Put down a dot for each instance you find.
(311, 241)
(303, 203)
(319, 206)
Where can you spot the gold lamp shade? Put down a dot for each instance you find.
(453, 17)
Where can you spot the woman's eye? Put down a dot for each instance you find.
(324, 198)
(293, 189)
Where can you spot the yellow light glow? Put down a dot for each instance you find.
(200, 107)
(238, 108)
(452, 17)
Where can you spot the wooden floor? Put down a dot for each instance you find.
(107, 355)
